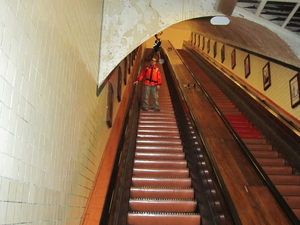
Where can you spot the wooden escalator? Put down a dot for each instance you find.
(161, 191)
(273, 163)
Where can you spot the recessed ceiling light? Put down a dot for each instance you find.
(219, 20)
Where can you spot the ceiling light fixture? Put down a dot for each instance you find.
(219, 20)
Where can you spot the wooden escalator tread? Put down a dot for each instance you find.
(161, 191)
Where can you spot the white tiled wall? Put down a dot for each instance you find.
(49, 113)
(278, 92)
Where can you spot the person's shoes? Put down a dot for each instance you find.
(144, 109)
(156, 109)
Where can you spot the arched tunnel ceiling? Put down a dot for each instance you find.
(247, 35)
(129, 23)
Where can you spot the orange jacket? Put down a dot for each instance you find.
(151, 74)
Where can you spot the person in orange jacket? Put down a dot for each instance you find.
(152, 82)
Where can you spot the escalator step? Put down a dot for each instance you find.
(163, 205)
(262, 147)
(150, 192)
(288, 189)
(285, 179)
(278, 170)
(241, 125)
(143, 146)
(158, 117)
(167, 151)
(161, 182)
(249, 135)
(237, 119)
(168, 117)
(254, 140)
(165, 122)
(265, 154)
(160, 163)
(151, 128)
(163, 218)
(157, 141)
(271, 161)
(158, 155)
(158, 126)
(147, 135)
(160, 172)
(246, 129)
(156, 113)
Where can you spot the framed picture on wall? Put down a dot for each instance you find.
(215, 49)
(109, 106)
(208, 45)
(119, 92)
(223, 53)
(247, 66)
(203, 43)
(294, 90)
(125, 71)
(233, 59)
(266, 76)
(128, 63)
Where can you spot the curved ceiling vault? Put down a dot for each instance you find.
(249, 36)
(129, 23)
